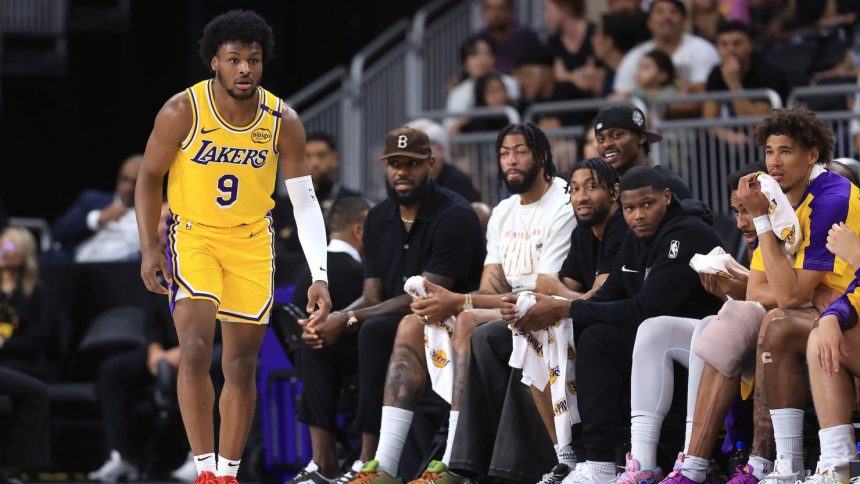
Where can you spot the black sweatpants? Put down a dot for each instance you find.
(375, 344)
(123, 380)
(323, 374)
(500, 432)
(25, 442)
(604, 359)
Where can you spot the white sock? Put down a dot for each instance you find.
(453, 418)
(760, 466)
(695, 468)
(788, 434)
(604, 471)
(837, 448)
(565, 455)
(227, 467)
(205, 462)
(392, 438)
(688, 434)
(644, 437)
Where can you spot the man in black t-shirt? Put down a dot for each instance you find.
(420, 228)
(740, 69)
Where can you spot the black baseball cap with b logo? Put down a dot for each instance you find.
(408, 142)
(624, 116)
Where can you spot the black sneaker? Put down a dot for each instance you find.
(310, 475)
(556, 475)
(351, 473)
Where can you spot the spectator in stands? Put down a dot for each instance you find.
(24, 321)
(508, 38)
(528, 238)
(665, 339)
(477, 58)
(534, 72)
(693, 56)
(323, 161)
(742, 68)
(324, 371)
(624, 141)
(665, 234)
(490, 92)
(589, 145)
(23, 337)
(705, 18)
(614, 37)
(797, 145)
(421, 229)
(833, 360)
(655, 77)
(570, 42)
(101, 226)
(445, 174)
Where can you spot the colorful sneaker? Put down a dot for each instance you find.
(310, 475)
(556, 475)
(828, 476)
(114, 469)
(679, 464)
(438, 473)
(206, 477)
(678, 478)
(349, 475)
(783, 473)
(634, 474)
(371, 474)
(743, 475)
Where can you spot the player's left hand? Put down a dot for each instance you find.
(830, 344)
(319, 303)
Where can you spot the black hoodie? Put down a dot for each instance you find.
(653, 277)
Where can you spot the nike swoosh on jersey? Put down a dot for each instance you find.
(207, 131)
(625, 269)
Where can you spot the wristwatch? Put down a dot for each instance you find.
(468, 304)
(352, 320)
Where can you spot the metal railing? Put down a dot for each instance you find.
(38, 17)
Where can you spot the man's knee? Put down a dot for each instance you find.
(196, 354)
(376, 330)
(649, 335)
(410, 327)
(240, 368)
(729, 340)
(464, 327)
(774, 331)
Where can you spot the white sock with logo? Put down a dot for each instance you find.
(565, 455)
(205, 462)
(760, 466)
(453, 418)
(392, 438)
(227, 467)
(788, 435)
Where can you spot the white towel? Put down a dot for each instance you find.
(782, 217)
(717, 262)
(437, 345)
(548, 357)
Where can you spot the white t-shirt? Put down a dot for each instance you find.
(694, 58)
(531, 239)
(116, 240)
(462, 96)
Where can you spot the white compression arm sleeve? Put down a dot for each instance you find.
(309, 220)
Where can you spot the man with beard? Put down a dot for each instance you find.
(323, 160)
(624, 141)
(421, 228)
(528, 237)
(223, 140)
(654, 256)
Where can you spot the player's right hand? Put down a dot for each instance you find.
(153, 261)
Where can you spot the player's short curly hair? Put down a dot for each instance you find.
(236, 25)
(802, 126)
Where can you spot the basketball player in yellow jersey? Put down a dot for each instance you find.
(222, 141)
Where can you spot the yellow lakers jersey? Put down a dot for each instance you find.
(224, 175)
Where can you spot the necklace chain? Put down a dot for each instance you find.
(407, 221)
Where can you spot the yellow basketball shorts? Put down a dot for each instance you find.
(233, 267)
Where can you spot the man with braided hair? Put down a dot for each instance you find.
(528, 236)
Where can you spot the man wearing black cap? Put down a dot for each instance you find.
(420, 229)
(624, 141)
